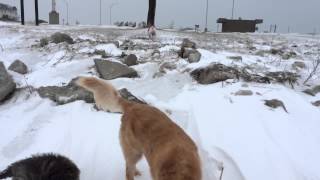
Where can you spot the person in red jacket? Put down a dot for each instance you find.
(151, 16)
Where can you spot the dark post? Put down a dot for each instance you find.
(22, 11)
(37, 12)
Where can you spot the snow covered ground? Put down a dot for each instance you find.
(239, 133)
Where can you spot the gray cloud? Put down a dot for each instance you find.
(300, 16)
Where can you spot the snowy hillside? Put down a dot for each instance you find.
(235, 132)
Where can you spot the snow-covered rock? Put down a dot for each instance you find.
(7, 86)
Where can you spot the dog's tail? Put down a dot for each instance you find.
(7, 173)
(105, 95)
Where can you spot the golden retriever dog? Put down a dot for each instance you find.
(145, 130)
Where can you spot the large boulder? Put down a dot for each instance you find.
(194, 57)
(70, 93)
(7, 86)
(61, 37)
(111, 70)
(188, 50)
(214, 73)
(130, 60)
(186, 43)
(65, 94)
(19, 67)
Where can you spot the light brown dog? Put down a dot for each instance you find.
(145, 130)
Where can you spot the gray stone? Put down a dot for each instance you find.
(65, 94)
(7, 86)
(194, 57)
(316, 103)
(70, 93)
(167, 65)
(102, 53)
(289, 55)
(298, 64)
(313, 91)
(214, 73)
(316, 89)
(235, 58)
(111, 70)
(44, 42)
(244, 93)
(185, 52)
(309, 92)
(61, 37)
(131, 60)
(186, 43)
(19, 67)
(275, 103)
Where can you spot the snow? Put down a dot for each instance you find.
(239, 133)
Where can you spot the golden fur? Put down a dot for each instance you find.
(145, 130)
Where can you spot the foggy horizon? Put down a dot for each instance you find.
(298, 16)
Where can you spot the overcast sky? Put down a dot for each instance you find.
(300, 15)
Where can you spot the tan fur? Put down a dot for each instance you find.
(145, 130)
(105, 96)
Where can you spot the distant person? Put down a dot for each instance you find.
(151, 16)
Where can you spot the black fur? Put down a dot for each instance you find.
(42, 167)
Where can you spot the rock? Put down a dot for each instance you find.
(102, 53)
(214, 73)
(167, 65)
(128, 96)
(111, 70)
(61, 37)
(65, 94)
(298, 64)
(313, 91)
(44, 42)
(316, 103)
(316, 89)
(283, 76)
(194, 57)
(7, 86)
(276, 51)
(244, 93)
(245, 85)
(289, 55)
(155, 53)
(185, 52)
(275, 103)
(131, 60)
(235, 58)
(71, 92)
(309, 92)
(186, 43)
(19, 67)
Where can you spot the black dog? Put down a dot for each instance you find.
(42, 167)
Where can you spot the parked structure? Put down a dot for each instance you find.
(8, 12)
(239, 25)
(53, 15)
